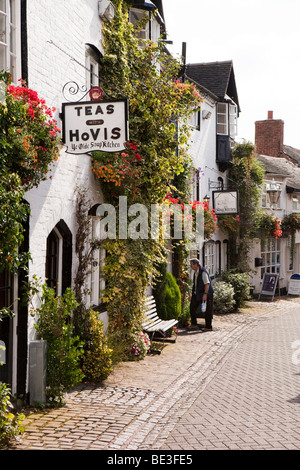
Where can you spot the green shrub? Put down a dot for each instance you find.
(172, 298)
(240, 284)
(97, 358)
(63, 348)
(223, 297)
(9, 422)
(167, 295)
(185, 316)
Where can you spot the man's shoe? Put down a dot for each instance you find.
(205, 328)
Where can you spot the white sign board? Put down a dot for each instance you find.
(225, 202)
(294, 287)
(91, 126)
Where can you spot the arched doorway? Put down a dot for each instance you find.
(58, 271)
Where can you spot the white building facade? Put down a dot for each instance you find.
(56, 47)
(214, 129)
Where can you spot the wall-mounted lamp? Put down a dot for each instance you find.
(273, 192)
(206, 114)
(106, 10)
(206, 199)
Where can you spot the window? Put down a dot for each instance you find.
(92, 77)
(295, 204)
(10, 38)
(92, 65)
(233, 115)
(227, 115)
(134, 17)
(95, 281)
(195, 120)
(210, 258)
(270, 256)
(222, 119)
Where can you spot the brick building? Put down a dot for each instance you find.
(282, 174)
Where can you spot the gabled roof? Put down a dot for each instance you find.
(159, 6)
(292, 154)
(217, 77)
(282, 167)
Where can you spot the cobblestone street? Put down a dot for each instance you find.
(235, 387)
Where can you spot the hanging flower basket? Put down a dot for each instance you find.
(290, 224)
(270, 226)
(29, 134)
(229, 224)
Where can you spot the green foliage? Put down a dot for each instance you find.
(10, 423)
(97, 358)
(145, 171)
(269, 226)
(247, 174)
(167, 295)
(240, 284)
(290, 224)
(64, 350)
(223, 297)
(13, 213)
(172, 298)
(185, 316)
(28, 145)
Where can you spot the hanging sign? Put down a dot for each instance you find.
(225, 202)
(91, 126)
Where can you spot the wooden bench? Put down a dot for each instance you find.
(153, 324)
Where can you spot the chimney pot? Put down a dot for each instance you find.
(270, 114)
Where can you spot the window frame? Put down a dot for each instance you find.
(12, 45)
(93, 70)
(268, 254)
(227, 118)
(210, 258)
(96, 283)
(144, 33)
(224, 115)
(195, 120)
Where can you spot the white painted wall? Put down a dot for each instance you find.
(70, 26)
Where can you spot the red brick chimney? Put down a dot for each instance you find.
(269, 136)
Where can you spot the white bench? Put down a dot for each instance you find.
(153, 324)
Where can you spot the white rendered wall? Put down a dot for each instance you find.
(70, 26)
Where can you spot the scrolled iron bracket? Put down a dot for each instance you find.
(72, 89)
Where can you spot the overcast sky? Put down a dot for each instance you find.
(262, 38)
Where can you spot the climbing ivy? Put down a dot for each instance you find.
(159, 106)
(246, 176)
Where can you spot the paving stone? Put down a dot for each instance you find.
(232, 388)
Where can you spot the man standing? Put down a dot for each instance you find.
(202, 292)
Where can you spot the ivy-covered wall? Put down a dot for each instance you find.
(146, 172)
